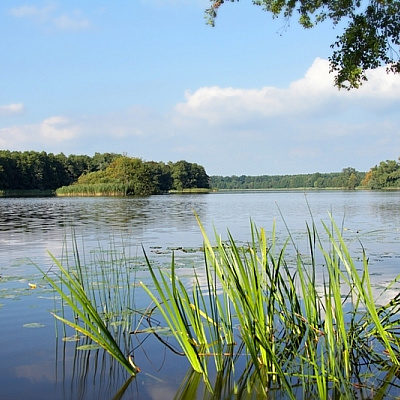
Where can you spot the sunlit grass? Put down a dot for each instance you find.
(98, 189)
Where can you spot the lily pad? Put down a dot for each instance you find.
(164, 331)
(74, 338)
(118, 323)
(89, 347)
(34, 325)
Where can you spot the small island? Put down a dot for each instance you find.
(31, 173)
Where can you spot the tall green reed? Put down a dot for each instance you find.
(308, 326)
(295, 334)
(99, 301)
(200, 324)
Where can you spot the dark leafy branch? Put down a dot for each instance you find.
(371, 38)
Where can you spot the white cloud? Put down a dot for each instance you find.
(33, 136)
(307, 97)
(35, 13)
(12, 109)
(49, 15)
(290, 129)
(308, 126)
(57, 128)
(72, 23)
(88, 131)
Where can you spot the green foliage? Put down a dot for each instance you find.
(370, 39)
(384, 175)
(133, 176)
(30, 170)
(94, 189)
(349, 178)
(188, 175)
(87, 319)
(108, 174)
(299, 340)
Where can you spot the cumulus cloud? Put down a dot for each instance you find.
(50, 15)
(305, 97)
(52, 130)
(85, 133)
(57, 128)
(307, 126)
(12, 109)
(38, 14)
(307, 123)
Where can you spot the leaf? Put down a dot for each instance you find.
(34, 325)
(73, 338)
(158, 330)
(86, 347)
(118, 323)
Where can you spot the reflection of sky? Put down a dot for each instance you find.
(31, 227)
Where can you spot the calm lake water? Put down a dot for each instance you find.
(36, 365)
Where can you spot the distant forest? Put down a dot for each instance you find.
(349, 178)
(386, 175)
(107, 173)
(117, 174)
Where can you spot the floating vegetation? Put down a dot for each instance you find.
(73, 338)
(255, 320)
(94, 310)
(34, 325)
(294, 336)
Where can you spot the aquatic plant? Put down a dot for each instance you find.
(273, 320)
(298, 338)
(98, 189)
(99, 314)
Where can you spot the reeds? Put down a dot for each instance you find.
(100, 301)
(98, 189)
(298, 326)
(296, 336)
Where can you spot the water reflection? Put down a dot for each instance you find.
(90, 375)
(30, 227)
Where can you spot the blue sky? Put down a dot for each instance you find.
(149, 78)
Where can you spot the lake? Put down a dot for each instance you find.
(36, 365)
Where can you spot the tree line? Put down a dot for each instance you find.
(348, 178)
(384, 175)
(116, 173)
(133, 176)
(41, 171)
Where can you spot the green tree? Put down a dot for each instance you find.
(100, 161)
(76, 165)
(161, 175)
(124, 169)
(370, 39)
(386, 174)
(187, 175)
(352, 181)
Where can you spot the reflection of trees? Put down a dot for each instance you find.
(90, 374)
(105, 214)
(93, 374)
(249, 384)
